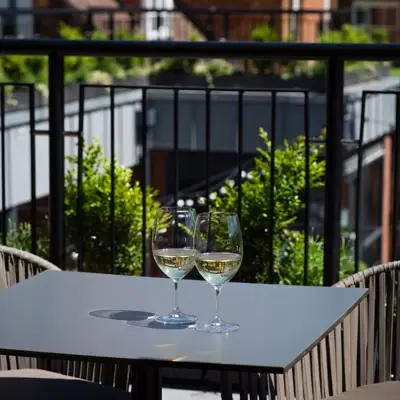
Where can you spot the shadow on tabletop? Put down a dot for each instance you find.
(142, 319)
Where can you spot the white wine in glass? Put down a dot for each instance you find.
(173, 251)
(175, 263)
(219, 254)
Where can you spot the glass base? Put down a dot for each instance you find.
(217, 326)
(177, 318)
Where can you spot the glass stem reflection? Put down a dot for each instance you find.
(217, 298)
(176, 308)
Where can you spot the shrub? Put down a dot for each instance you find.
(347, 34)
(177, 65)
(379, 35)
(288, 245)
(20, 237)
(93, 224)
(264, 33)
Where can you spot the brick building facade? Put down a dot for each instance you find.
(178, 25)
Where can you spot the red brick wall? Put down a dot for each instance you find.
(309, 23)
(240, 26)
(182, 27)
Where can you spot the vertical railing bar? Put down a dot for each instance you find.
(56, 150)
(62, 95)
(307, 184)
(359, 182)
(176, 160)
(176, 145)
(111, 26)
(240, 153)
(226, 16)
(144, 157)
(208, 146)
(33, 208)
(271, 219)
(333, 175)
(79, 198)
(112, 172)
(3, 166)
(395, 186)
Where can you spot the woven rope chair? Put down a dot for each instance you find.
(16, 266)
(364, 349)
(379, 321)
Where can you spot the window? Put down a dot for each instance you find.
(15, 24)
(158, 24)
(370, 14)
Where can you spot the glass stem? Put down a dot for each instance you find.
(217, 298)
(176, 296)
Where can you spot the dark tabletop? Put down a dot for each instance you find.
(50, 315)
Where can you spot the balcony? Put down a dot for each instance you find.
(325, 180)
(180, 20)
(186, 141)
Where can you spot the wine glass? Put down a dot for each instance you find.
(219, 253)
(173, 251)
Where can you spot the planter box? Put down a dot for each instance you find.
(250, 81)
(177, 79)
(318, 83)
(314, 84)
(71, 93)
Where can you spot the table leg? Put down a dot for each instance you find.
(147, 385)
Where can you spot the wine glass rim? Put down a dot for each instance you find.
(226, 213)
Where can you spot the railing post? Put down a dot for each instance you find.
(56, 157)
(334, 165)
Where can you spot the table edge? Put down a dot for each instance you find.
(319, 339)
(142, 362)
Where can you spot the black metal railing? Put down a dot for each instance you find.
(162, 24)
(335, 143)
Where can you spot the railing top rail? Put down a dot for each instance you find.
(207, 49)
(213, 10)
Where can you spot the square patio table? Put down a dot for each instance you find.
(53, 315)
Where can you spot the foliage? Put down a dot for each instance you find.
(286, 68)
(291, 264)
(174, 65)
(349, 34)
(93, 223)
(77, 69)
(219, 67)
(25, 69)
(132, 66)
(177, 65)
(34, 69)
(264, 33)
(108, 65)
(214, 68)
(379, 35)
(20, 237)
(288, 245)
(346, 34)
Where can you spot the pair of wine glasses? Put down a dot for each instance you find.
(212, 241)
